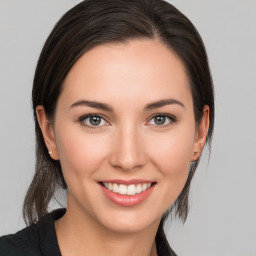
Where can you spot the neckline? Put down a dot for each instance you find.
(48, 238)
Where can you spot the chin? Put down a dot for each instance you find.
(129, 222)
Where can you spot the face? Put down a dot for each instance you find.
(125, 134)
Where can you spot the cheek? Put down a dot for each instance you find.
(80, 153)
(172, 159)
(172, 155)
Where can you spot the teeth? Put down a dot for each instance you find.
(144, 187)
(127, 190)
(115, 187)
(122, 189)
(138, 189)
(110, 186)
(131, 190)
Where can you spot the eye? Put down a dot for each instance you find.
(162, 120)
(92, 121)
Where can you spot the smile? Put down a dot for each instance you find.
(127, 193)
(130, 190)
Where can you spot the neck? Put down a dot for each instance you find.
(78, 233)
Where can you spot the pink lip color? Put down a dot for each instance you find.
(126, 200)
(127, 182)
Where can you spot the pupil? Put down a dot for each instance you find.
(95, 120)
(160, 120)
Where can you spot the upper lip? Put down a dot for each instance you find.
(127, 182)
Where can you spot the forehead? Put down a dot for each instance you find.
(127, 71)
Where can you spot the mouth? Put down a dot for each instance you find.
(130, 190)
(127, 193)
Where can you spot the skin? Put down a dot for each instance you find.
(128, 144)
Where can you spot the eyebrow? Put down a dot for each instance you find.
(106, 107)
(162, 103)
(93, 104)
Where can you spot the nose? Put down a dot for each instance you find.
(128, 151)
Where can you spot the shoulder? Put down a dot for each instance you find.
(35, 240)
(24, 242)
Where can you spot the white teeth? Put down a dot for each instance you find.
(115, 188)
(138, 189)
(110, 186)
(131, 190)
(122, 189)
(127, 190)
(144, 187)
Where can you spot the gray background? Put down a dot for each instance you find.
(222, 219)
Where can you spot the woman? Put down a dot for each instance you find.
(123, 105)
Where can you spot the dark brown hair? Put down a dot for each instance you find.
(95, 22)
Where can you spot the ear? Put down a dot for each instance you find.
(47, 131)
(201, 133)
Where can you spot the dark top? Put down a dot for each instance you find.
(40, 239)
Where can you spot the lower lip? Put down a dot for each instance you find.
(127, 200)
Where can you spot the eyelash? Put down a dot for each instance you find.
(81, 120)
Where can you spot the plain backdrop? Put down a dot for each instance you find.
(222, 218)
